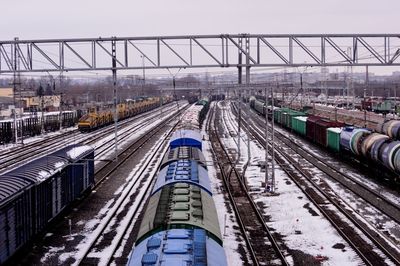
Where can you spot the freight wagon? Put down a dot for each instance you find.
(95, 119)
(32, 195)
(362, 143)
(32, 126)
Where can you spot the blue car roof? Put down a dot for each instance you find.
(39, 170)
(183, 171)
(11, 185)
(178, 247)
(186, 137)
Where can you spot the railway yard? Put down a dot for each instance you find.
(179, 177)
(212, 133)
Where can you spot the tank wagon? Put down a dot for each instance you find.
(390, 128)
(32, 126)
(180, 222)
(32, 195)
(95, 119)
(378, 146)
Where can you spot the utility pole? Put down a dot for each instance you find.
(144, 70)
(248, 136)
(239, 123)
(349, 78)
(395, 99)
(266, 142)
(366, 87)
(273, 143)
(61, 116)
(42, 109)
(14, 92)
(144, 75)
(114, 76)
(21, 106)
(301, 89)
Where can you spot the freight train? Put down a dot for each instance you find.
(180, 222)
(95, 119)
(32, 195)
(32, 125)
(362, 143)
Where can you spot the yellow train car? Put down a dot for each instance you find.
(96, 119)
(88, 122)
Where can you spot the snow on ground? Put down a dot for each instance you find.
(94, 226)
(227, 220)
(29, 140)
(134, 175)
(390, 195)
(292, 215)
(141, 131)
(370, 215)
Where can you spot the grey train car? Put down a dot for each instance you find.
(32, 195)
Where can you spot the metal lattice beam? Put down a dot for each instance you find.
(202, 51)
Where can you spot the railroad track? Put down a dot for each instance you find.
(374, 198)
(252, 224)
(104, 171)
(140, 185)
(325, 204)
(50, 140)
(9, 161)
(135, 187)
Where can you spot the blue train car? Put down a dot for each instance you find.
(35, 193)
(184, 152)
(180, 222)
(179, 247)
(82, 173)
(180, 206)
(186, 137)
(183, 171)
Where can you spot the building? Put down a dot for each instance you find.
(6, 93)
(50, 102)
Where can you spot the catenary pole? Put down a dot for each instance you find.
(266, 141)
(114, 77)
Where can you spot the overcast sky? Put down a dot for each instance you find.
(92, 18)
(39, 19)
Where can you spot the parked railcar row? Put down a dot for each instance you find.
(203, 112)
(95, 119)
(32, 126)
(390, 128)
(195, 115)
(180, 223)
(32, 195)
(361, 142)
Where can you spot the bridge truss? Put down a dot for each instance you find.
(199, 51)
